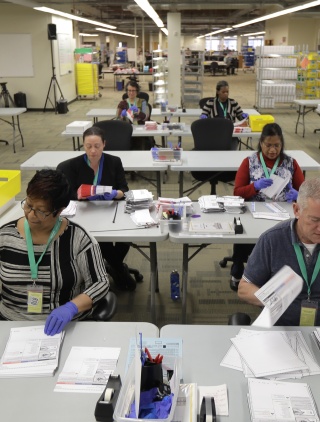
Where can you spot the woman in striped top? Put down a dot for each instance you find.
(50, 267)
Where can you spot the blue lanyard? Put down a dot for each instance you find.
(98, 176)
(274, 168)
(32, 261)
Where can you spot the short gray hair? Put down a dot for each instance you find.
(309, 189)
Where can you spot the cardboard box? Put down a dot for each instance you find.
(10, 186)
(257, 123)
(78, 127)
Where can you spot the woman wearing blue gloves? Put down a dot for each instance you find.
(135, 110)
(254, 175)
(98, 168)
(50, 267)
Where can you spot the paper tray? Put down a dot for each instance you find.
(10, 186)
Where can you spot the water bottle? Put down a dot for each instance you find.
(175, 285)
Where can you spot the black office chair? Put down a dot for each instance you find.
(239, 318)
(203, 101)
(106, 308)
(117, 134)
(143, 95)
(212, 135)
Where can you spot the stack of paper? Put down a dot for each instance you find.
(142, 218)
(281, 401)
(213, 203)
(277, 186)
(316, 336)
(30, 353)
(214, 227)
(275, 212)
(138, 199)
(271, 354)
(78, 127)
(71, 209)
(87, 369)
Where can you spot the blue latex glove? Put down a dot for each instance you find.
(109, 196)
(59, 318)
(262, 183)
(123, 113)
(291, 194)
(244, 115)
(134, 109)
(203, 116)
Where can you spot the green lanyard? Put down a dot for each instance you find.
(130, 105)
(303, 268)
(274, 168)
(95, 179)
(32, 262)
(224, 109)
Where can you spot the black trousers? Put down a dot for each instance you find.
(114, 253)
(240, 255)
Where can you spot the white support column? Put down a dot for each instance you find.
(174, 58)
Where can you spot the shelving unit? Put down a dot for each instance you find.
(87, 72)
(248, 58)
(276, 69)
(160, 77)
(192, 71)
(308, 84)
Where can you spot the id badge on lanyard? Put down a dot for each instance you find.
(35, 298)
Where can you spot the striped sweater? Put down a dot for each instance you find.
(212, 109)
(72, 264)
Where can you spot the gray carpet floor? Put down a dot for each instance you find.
(210, 300)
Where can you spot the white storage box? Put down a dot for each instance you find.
(176, 226)
(126, 396)
(78, 127)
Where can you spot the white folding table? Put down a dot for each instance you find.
(13, 113)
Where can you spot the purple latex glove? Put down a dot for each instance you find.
(109, 196)
(291, 194)
(244, 115)
(203, 116)
(59, 318)
(123, 113)
(134, 109)
(262, 183)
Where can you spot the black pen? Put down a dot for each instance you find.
(115, 213)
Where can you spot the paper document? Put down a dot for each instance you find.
(30, 352)
(71, 209)
(222, 227)
(87, 369)
(281, 401)
(276, 295)
(277, 186)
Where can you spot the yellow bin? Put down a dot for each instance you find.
(10, 186)
(258, 122)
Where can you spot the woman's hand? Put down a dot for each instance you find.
(59, 318)
(262, 183)
(291, 194)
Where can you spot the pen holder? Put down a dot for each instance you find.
(151, 376)
(175, 224)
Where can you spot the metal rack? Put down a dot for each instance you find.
(192, 71)
(160, 77)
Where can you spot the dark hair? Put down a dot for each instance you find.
(134, 84)
(52, 186)
(221, 84)
(95, 131)
(271, 129)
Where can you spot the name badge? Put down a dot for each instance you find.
(35, 299)
(308, 313)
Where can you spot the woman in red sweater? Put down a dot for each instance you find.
(254, 174)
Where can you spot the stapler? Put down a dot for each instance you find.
(208, 410)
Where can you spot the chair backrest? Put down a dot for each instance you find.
(212, 134)
(203, 101)
(117, 134)
(143, 95)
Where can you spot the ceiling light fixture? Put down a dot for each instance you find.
(149, 10)
(253, 33)
(215, 32)
(280, 13)
(88, 35)
(165, 31)
(116, 32)
(73, 17)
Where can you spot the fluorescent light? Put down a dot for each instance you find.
(73, 17)
(88, 35)
(253, 33)
(281, 13)
(115, 32)
(149, 10)
(165, 31)
(215, 32)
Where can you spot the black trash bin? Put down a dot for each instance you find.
(20, 99)
(62, 106)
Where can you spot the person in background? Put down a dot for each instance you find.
(50, 267)
(229, 60)
(98, 168)
(254, 175)
(222, 106)
(135, 110)
(295, 243)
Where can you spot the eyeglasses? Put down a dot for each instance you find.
(269, 146)
(39, 214)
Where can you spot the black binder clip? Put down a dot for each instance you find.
(238, 227)
(208, 408)
(107, 402)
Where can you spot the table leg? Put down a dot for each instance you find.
(158, 175)
(180, 184)
(153, 280)
(299, 114)
(14, 132)
(184, 282)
